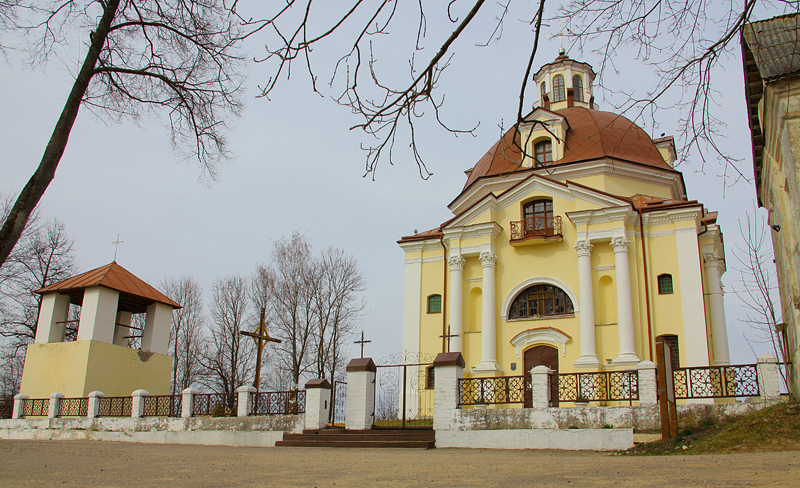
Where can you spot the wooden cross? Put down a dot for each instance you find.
(116, 246)
(362, 342)
(262, 338)
(448, 336)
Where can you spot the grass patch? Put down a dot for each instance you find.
(776, 428)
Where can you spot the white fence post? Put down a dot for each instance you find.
(540, 386)
(360, 414)
(648, 389)
(245, 406)
(318, 404)
(137, 406)
(94, 404)
(55, 398)
(19, 402)
(769, 385)
(448, 368)
(187, 402)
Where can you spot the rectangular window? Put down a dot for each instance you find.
(435, 304)
(665, 284)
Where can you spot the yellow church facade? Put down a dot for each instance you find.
(572, 245)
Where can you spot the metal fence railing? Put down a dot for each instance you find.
(114, 406)
(162, 406)
(36, 407)
(493, 391)
(72, 407)
(716, 382)
(279, 402)
(600, 386)
(216, 404)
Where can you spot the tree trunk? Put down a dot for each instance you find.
(44, 174)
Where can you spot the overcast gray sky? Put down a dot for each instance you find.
(298, 167)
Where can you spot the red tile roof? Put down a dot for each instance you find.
(592, 135)
(111, 276)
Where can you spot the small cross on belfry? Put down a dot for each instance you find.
(116, 246)
(262, 338)
(447, 336)
(560, 34)
(362, 342)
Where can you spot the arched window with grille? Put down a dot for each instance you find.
(558, 89)
(665, 284)
(435, 304)
(540, 301)
(544, 87)
(577, 87)
(538, 216)
(543, 152)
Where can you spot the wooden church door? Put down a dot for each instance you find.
(536, 356)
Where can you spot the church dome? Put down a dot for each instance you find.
(592, 135)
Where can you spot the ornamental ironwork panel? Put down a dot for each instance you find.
(72, 407)
(601, 386)
(493, 391)
(536, 226)
(6, 407)
(339, 404)
(162, 406)
(401, 397)
(279, 402)
(716, 382)
(216, 404)
(36, 407)
(114, 406)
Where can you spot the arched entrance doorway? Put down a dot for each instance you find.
(537, 356)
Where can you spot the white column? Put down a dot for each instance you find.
(627, 346)
(19, 403)
(360, 413)
(318, 396)
(588, 357)
(120, 331)
(155, 336)
(488, 327)
(456, 304)
(412, 304)
(54, 309)
(648, 389)
(98, 314)
(540, 386)
(137, 405)
(719, 329)
(94, 404)
(449, 368)
(693, 311)
(187, 402)
(245, 404)
(768, 380)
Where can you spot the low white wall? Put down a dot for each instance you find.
(256, 431)
(569, 439)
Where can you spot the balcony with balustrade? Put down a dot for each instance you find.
(536, 230)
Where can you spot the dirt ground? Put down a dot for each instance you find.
(106, 464)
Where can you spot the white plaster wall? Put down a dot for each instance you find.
(691, 282)
(98, 315)
(412, 290)
(571, 439)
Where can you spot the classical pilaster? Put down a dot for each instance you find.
(690, 284)
(719, 329)
(627, 345)
(588, 357)
(456, 263)
(488, 327)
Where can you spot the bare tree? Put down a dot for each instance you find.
(229, 359)
(336, 308)
(755, 288)
(11, 364)
(141, 56)
(684, 42)
(186, 338)
(286, 294)
(43, 257)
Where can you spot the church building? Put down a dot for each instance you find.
(573, 244)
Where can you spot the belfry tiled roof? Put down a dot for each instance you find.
(111, 276)
(592, 135)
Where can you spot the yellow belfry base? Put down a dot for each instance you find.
(78, 368)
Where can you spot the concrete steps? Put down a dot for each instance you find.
(375, 438)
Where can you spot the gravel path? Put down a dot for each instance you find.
(118, 464)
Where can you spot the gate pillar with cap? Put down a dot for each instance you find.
(360, 413)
